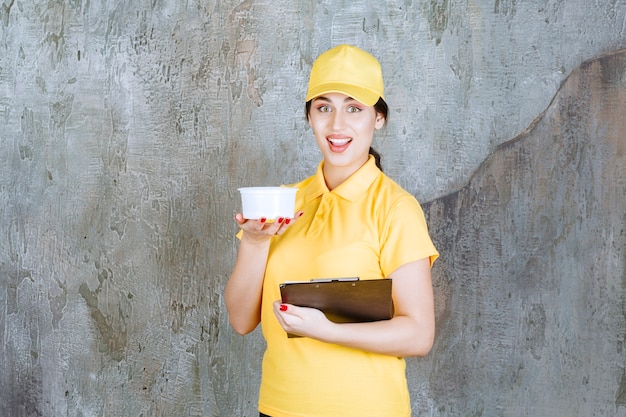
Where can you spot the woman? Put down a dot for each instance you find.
(352, 220)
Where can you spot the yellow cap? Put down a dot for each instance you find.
(348, 70)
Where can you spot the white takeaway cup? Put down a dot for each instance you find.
(268, 202)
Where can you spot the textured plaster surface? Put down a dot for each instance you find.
(126, 127)
(532, 284)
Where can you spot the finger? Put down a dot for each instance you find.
(281, 307)
(279, 225)
(253, 226)
(256, 222)
(288, 222)
(260, 223)
(291, 221)
(275, 226)
(279, 313)
(239, 219)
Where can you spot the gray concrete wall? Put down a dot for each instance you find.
(531, 289)
(125, 128)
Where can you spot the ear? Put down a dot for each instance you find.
(380, 121)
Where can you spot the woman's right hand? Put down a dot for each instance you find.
(261, 230)
(245, 285)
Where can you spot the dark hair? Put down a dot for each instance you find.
(380, 107)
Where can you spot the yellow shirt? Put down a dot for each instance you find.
(367, 227)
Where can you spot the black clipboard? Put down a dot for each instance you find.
(343, 300)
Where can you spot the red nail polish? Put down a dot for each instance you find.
(262, 219)
(280, 220)
(300, 214)
(283, 307)
(287, 221)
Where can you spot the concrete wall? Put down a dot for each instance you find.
(126, 127)
(532, 288)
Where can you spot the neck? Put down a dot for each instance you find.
(334, 176)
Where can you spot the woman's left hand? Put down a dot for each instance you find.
(301, 321)
(411, 331)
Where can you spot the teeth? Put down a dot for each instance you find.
(339, 142)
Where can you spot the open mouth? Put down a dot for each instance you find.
(339, 145)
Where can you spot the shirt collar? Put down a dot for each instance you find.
(351, 188)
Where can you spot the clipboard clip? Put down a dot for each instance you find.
(347, 279)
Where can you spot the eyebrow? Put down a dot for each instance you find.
(324, 98)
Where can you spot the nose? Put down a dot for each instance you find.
(338, 121)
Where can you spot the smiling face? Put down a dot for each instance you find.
(344, 129)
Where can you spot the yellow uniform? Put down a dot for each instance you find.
(367, 227)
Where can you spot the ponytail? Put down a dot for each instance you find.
(376, 156)
(382, 108)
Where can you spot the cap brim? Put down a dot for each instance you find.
(360, 94)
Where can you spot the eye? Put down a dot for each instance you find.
(353, 109)
(323, 108)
